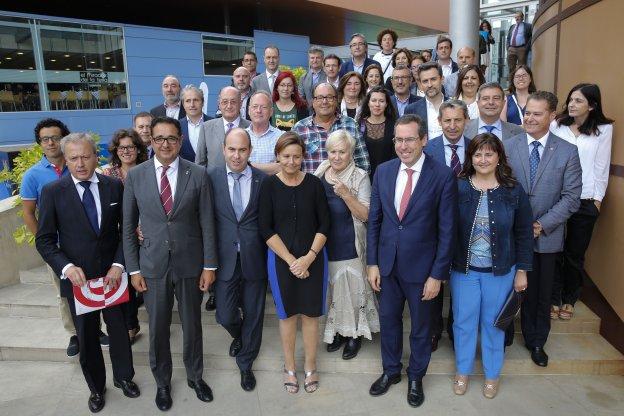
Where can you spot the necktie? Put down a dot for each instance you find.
(489, 128)
(455, 163)
(88, 203)
(165, 191)
(515, 34)
(237, 199)
(230, 126)
(534, 160)
(271, 82)
(407, 193)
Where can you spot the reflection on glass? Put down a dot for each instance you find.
(223, 55)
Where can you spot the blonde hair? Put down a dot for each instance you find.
(340, 136)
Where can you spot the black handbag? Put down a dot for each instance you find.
(509, 310)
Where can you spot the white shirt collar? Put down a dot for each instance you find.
(269, 75)
(497, 124)
(235, 122)
(201, 120)
(92, 179)
(542, 140)
(173, 166)
(245, 173)
(460, 142)
(417, 167)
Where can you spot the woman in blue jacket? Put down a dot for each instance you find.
(494, 250)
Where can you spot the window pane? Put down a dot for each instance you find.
(223, 55)
(19, 90)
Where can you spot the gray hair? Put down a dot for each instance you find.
(262, 92)
(226, 88)
(490, 85)
(192, 88)
(340, 136)
(357, 35)
(454, 104)
(315, 50)
(79, 138)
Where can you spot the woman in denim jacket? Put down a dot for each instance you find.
(494, 250)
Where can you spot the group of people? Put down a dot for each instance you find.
(363, 186)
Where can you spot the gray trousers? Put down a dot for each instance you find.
(159, 304)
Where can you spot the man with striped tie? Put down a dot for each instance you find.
(177, 256)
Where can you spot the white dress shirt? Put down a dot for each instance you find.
(193, 131)
(447, 70)
(433, 125)
(172, 175)
(271, 78)
(245, 185)
(540, 149)
(386, 63)
(461, 151)
(173, 110)
(595, 155)
(401, 180)
(234, 122)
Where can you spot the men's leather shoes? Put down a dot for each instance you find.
(236, 346)
(96, 402)
(337, 343)
(434, 343)
(248, 380)
(539, 356)
(129, 388)
(72, 348)
(352, 347)
(202, 390)
(415, 394)
(383, 383)
(103, 339)
(210, 303)
(163, 398)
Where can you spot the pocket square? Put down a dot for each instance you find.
(113, 203)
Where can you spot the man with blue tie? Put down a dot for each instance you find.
(491, 100)
(242, 276)
(411, 226)
(519, 39)
(549, 170)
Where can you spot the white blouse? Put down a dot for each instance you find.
(385, 61)
(595, 155)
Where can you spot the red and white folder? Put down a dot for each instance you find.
(94, 296)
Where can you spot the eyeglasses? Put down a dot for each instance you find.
(404, 140)
(353, 45)
(401, 78)
(126, 149)
(47, 139)
(325, 98)
(521, 76)
(170, 139)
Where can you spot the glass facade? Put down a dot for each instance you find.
(222, 54)
(47, 65)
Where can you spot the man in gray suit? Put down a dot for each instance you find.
(242, 276)
(212, 132)
(172, 199)
(549, 169)
(491, 100)
(314, 76)
(266, 80)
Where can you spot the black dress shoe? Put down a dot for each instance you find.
(129, 388)
(248, 380)
(434, 343)
(383, 383)
(415, 394)
(351, 349)
(337, 343)
(539, 356)
(72, 348)
(96, 402)
(103, 339)
(235, 347)
(202, 390)
(210, 303)
(163, 398)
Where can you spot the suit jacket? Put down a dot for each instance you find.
(65, 234)
(528, 35)
(261, 83)
(556, 191)
(421, 244)
(419, 108)
(435, 148)
(186, 151)
(161, 111)
(184, 241)
(253, 249)
(509, 129)
(210, 142)
(412, 99)
(306, 86)
(348, 66)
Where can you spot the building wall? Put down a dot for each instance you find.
(573, 40)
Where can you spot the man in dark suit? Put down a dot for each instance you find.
(172, 107)
(411, 227)
(193, 103)
(401, 78)
(519, 39)
(359, 56)
(314, 76)
(242, 276)
(444, 50)
(549, 170)
(79, 237)
(266, 80)
(491, 100)
(431, 79)
(177, 256)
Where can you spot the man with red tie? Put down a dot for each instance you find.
(411, 224)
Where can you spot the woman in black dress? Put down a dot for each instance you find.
(377, 127)
(294, 221)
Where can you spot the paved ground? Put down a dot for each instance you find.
(42, 388)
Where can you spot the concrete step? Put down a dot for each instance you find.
(37, 339)
(39, 301)
(35, 276)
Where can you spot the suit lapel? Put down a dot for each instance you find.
(149, 172)
(504, 131)
(253, 193)
(391, 188)
(549, 151)
(522, 152)
(423, 183)
(75, 204)
(225, 193)
(184, 174)
(105, 197)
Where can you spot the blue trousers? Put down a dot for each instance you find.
(477, 300)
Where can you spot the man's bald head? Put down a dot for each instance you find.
(241, 78)
(466, 56)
